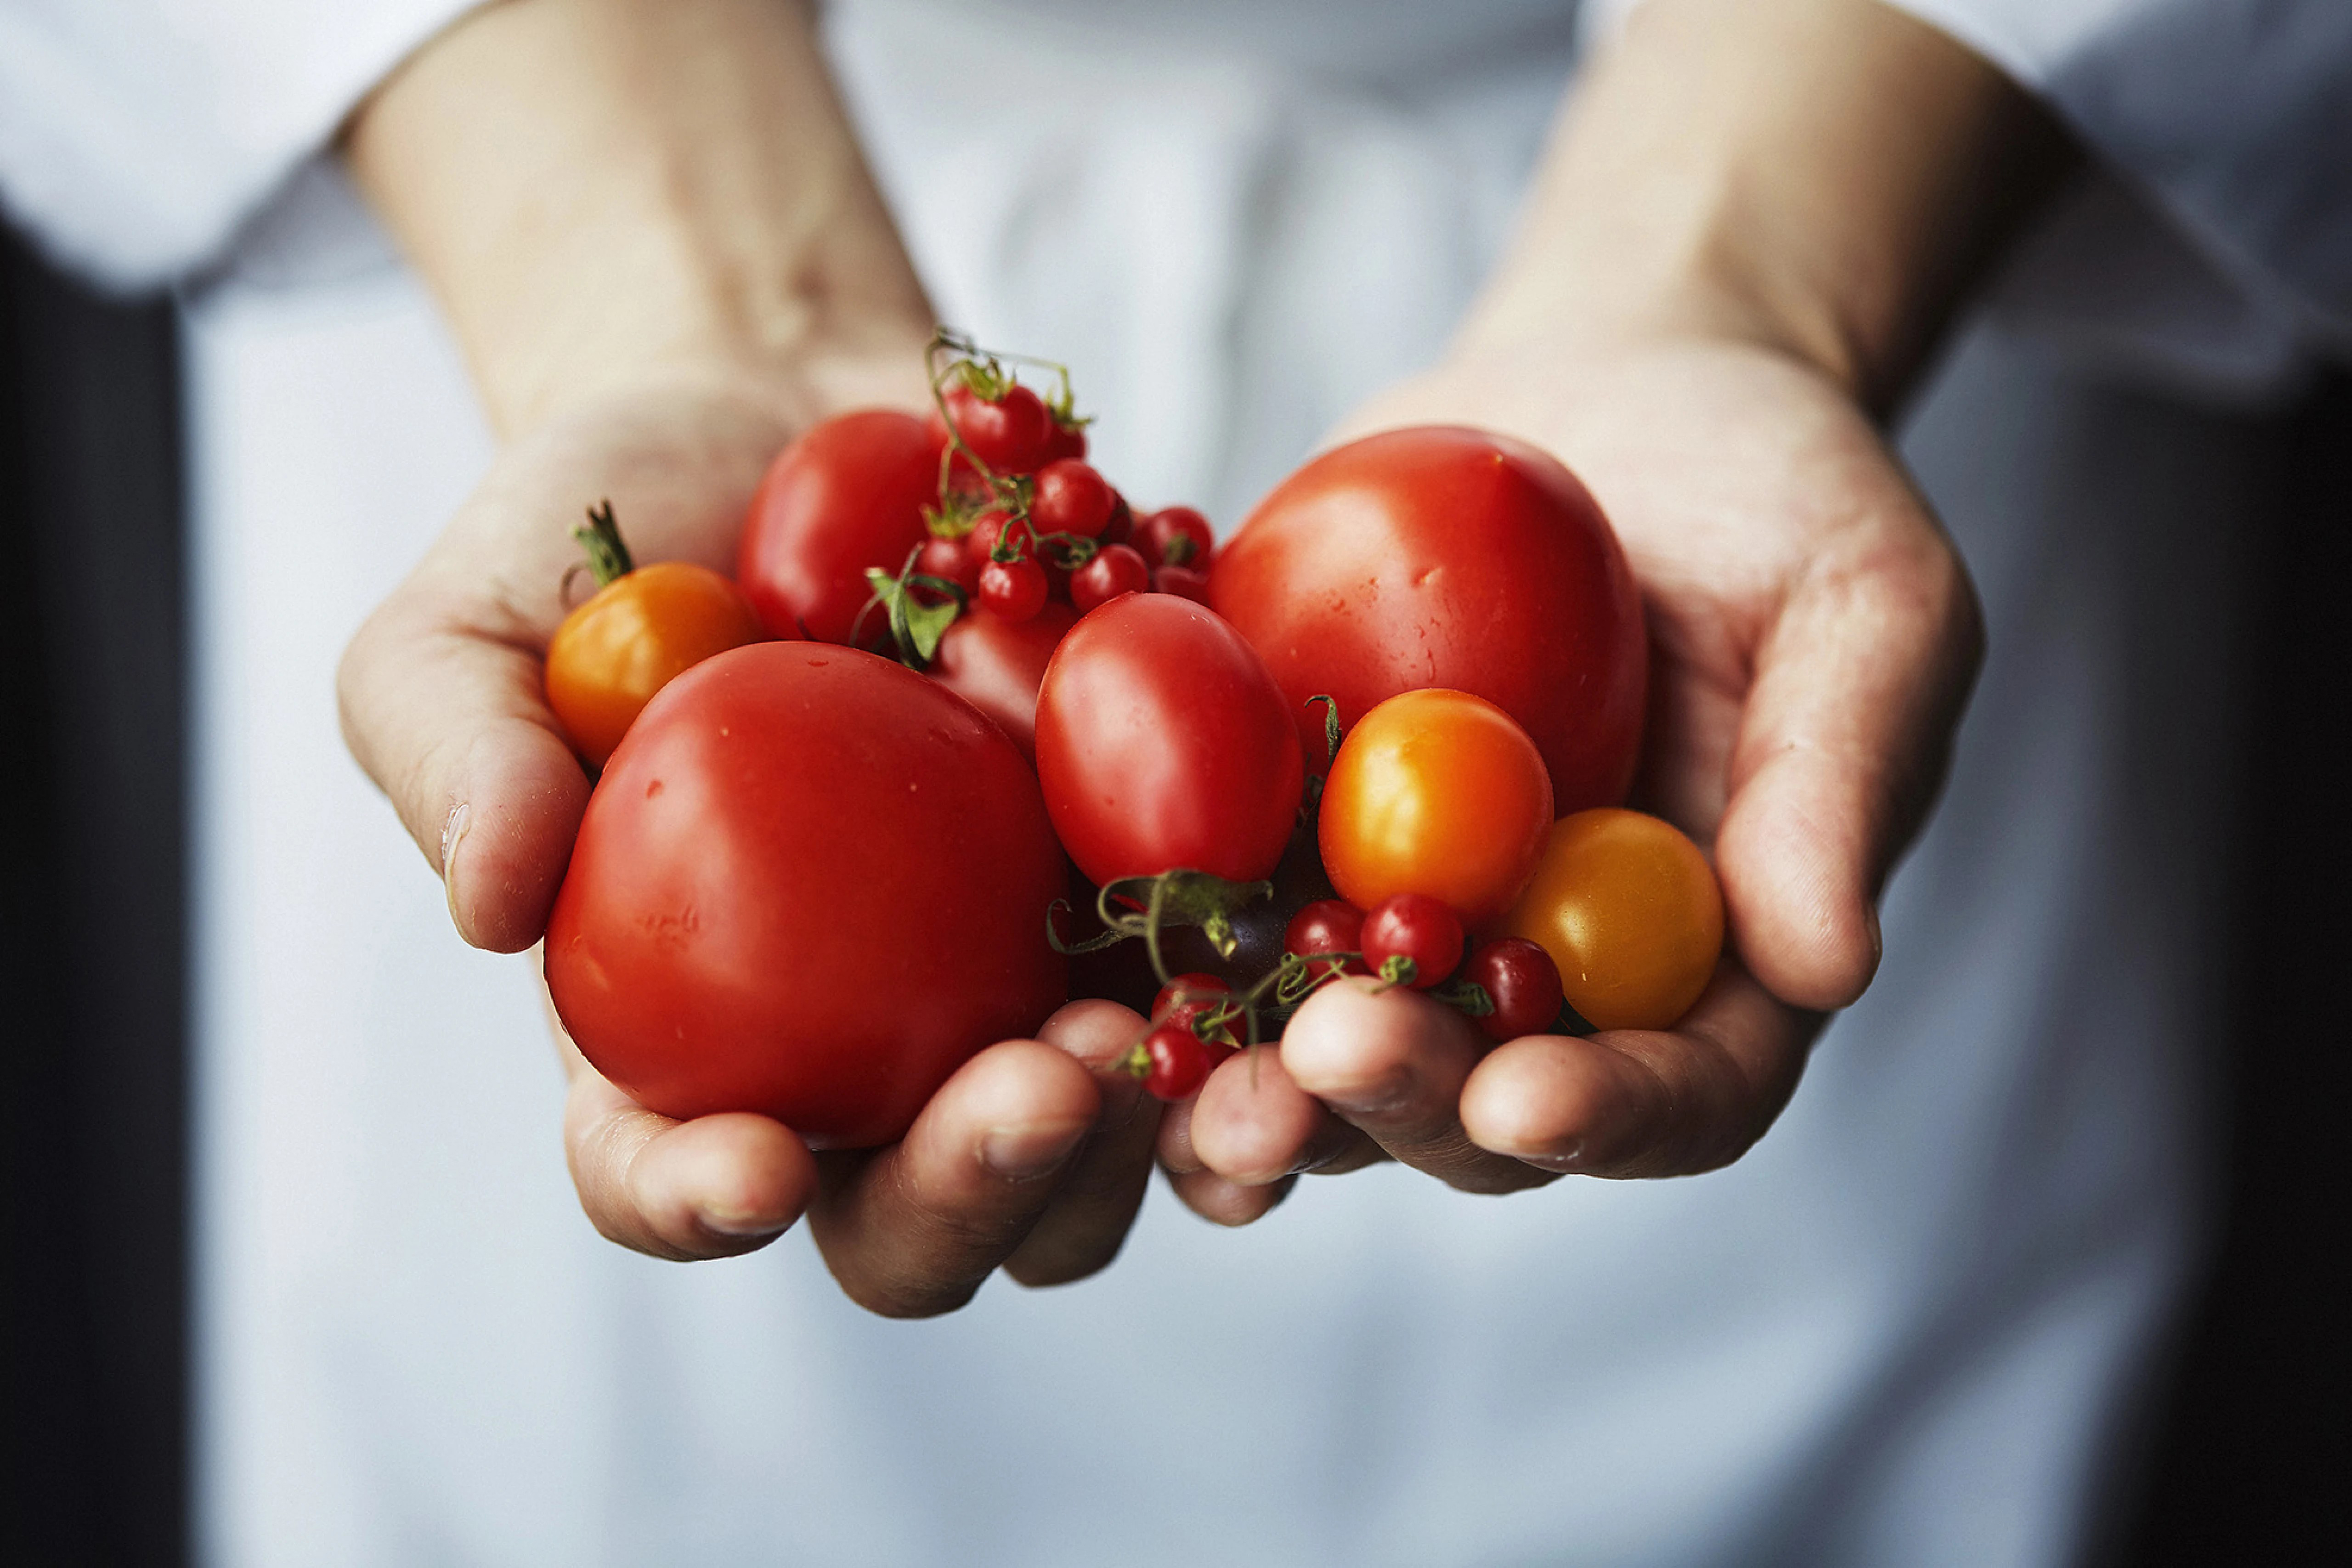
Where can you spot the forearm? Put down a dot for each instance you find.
(1822, 177)
(601, 192)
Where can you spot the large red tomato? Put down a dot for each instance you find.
(1162, 742)
(811, 883)
(1445, 557)
(996, 665)
(848, 494)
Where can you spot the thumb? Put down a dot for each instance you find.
(444, 710)
(1858, 687)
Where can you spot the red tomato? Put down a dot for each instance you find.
(1065, 441)
(1181, 581)
(996, 665)
(637, 634)
(1327, 926)
(1162, 742)
(947, 560)
(848, 494)
(811, 884)
(1175, 536)
(1629, 910)
(1071, 499)
(1523, 983)
(1015, 590)
(1013, 434)
(1413, 939)
(1443, 557)
(1436, 793)
(1115, 569)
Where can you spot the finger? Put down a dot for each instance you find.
(447, 716)
(712, 1187)
(912, 1229)
(1392, 1062)
(1095, 1203)
(1845, 741)
(1641, 1102)
(1251, 1124)
(1229, 1204)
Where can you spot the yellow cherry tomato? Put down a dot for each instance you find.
(643, 628)
(1629, 909)
(1436, 793)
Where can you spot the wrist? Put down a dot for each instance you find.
(1822, 179)
(605, 195)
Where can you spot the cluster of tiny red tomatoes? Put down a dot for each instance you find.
(1383, 732)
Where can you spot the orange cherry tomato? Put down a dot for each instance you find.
(1629, 909)
(1436, 793)
(645, 627)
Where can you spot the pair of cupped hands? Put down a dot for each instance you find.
(1813, 637)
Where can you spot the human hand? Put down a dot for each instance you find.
(1813, 637)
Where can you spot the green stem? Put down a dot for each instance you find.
(608, 558)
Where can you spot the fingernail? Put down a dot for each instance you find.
(1570, 1158)
(1025, 1153)
(733, 1222)
(452, 833)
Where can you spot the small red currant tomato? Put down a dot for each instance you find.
(980, 543)
(1120, 530)
(1181, 581)
(1176, 535)
(1412, 938)
(1065, 441)
(1010, 435)
(1327, 925)
(1012, 588)
(947, 559)
(1184, 998)
(1522, 981)
(1178, 1064)
(1070, 499)
(1115, 569)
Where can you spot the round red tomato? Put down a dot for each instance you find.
(848, 494)
(1445, 557)
(811, 884)
(1162, 742)
(996, 665)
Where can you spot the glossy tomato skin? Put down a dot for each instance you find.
(811, 884)
(635, 635)
(1437, 792)
(848, 494)
(1162, 742)
(1447, 556)
(997, 665)
(1629, 910)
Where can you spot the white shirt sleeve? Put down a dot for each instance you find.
(2233, 117)
(136, 136)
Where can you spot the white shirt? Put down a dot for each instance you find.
(1901, 1331)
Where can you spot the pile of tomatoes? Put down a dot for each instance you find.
(966, 736)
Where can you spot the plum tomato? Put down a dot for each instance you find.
(848, 494)
(632, 637)
(1445, 557)
(811, 884)
(1182, 581)
(1413, 939)
(1523, 983)
(1115, 569)
(1176, 535)
(1327, 926)
(1014, 589)
(1629, 910)
(1070, 499)
(1010, 434)
(996, 664)
(1162, 742)
(1437, 792)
